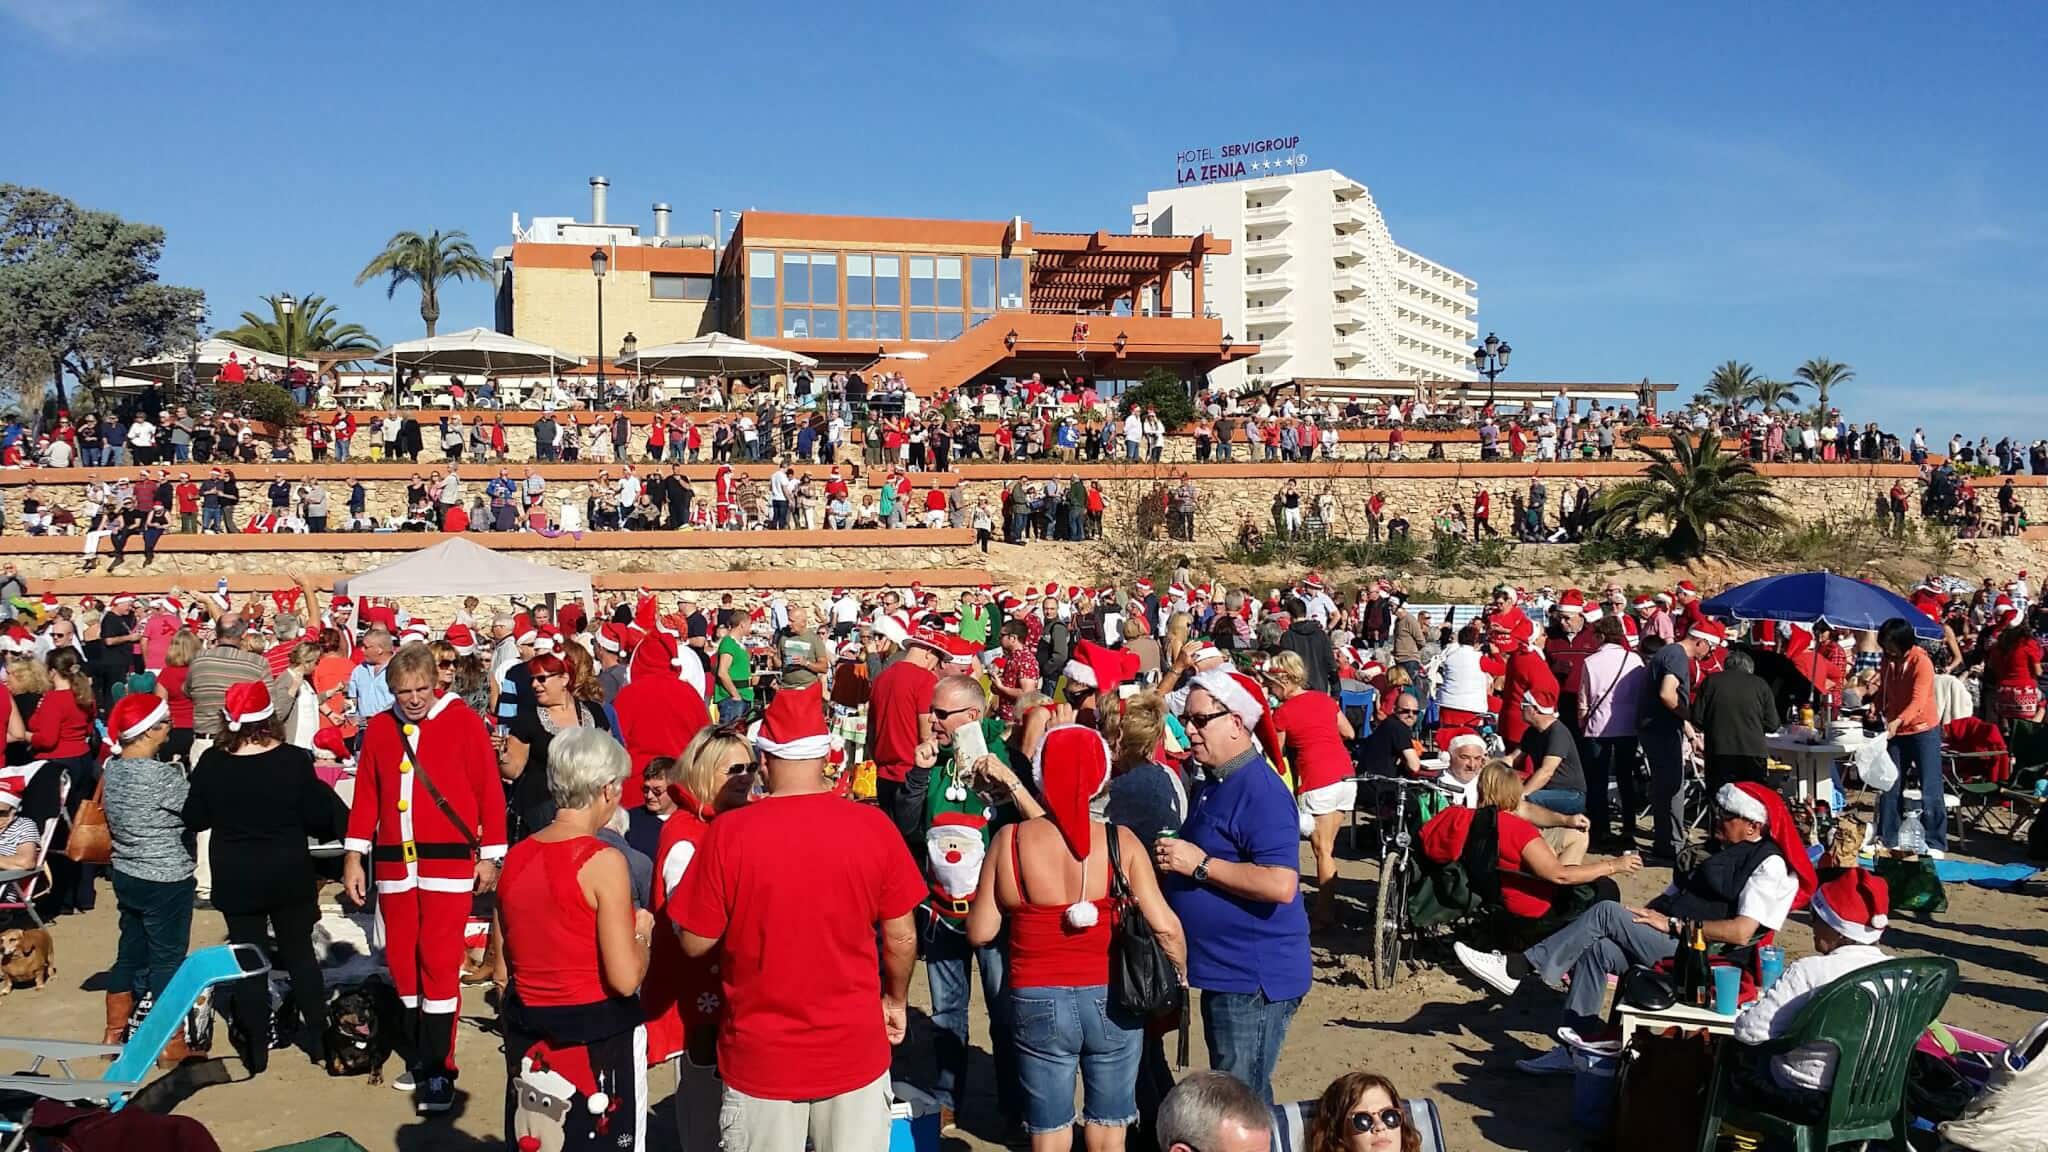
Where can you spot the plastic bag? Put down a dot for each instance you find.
(1874, 764)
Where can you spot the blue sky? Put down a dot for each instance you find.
(1638, 192)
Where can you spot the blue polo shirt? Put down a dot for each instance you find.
(1234, 944)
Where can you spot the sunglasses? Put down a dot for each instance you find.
(1384, 1120)
(1203, 720)
(739, 768)
(945, 713)
(444, 663)
(1407, 711)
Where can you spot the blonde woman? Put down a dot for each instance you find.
(1527, 873)
(1316, 739)
(714, 774)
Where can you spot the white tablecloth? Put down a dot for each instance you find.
(1810, 758)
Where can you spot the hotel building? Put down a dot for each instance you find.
(1311, 275)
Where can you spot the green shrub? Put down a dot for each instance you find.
(1163, 390)
(1446, 552)
(258, 401)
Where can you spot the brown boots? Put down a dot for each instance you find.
(120, 1005)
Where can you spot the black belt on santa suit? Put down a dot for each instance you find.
(408, 852)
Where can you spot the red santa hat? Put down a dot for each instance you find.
(793, 727)
(893, 627)
(462, 638)
(612, 638)
(932, 639)
(12, 785)
(246, 703)
(134, 714)
(121, 600)
(416, 632)
(1541, 697)
(2005, 609)
(1100, 668)
(1857, 903)
(1313, 582)
(1688, 588)
(1243, 696)
(1144, 587)
(1072, 769)
(49, 601)
(1712, 631)
(1370, 670)
(1205, 652)
(1763, 805)
(1572, 601)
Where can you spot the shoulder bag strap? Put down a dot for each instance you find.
(419, 768)
(1118, 889)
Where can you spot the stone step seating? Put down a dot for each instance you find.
(475, 474)
(720, 580)
(177, 543)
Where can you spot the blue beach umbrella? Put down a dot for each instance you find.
(1811, 597)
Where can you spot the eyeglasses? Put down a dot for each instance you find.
(1384, 1120)
(1203, 720)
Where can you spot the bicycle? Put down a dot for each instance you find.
(1390, 903)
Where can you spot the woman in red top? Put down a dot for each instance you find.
(1527, 870)
(2013, 668)
(714, 774)
(575, 952)
(60, 733)
(1315, 737)
(1050, 876)
(177, 666)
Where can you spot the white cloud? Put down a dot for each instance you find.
(81, 25)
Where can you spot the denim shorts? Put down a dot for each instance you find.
(1060, 1031)
(1562, 801)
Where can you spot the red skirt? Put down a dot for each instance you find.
(2020, 701)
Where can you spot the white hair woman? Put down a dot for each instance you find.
(575, 951)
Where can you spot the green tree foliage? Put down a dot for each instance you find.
(1771, 394)
(1824, 375)
(1163, 390)
(258, 401)
(79, 289)
(426, 262)
(1731, 383)
(313, 328)
(1695, 488)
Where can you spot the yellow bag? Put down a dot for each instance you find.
(864, 781)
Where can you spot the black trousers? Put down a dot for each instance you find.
(293, 951)
(1725, 769)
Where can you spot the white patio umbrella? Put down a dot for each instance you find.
(476, 350)
(715, 353)
(212, 354)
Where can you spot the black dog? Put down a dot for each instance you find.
(362, 1026)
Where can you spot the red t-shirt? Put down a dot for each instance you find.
(1523, 895)
(901, 694)
(188, 498)
(794, 888)
(1314, 746)
(935, 501)
(172, 681)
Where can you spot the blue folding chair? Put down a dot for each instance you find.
(1291, 1121)
(222, 964)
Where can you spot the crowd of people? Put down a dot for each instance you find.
(719, 832)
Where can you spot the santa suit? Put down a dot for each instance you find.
(421, 862)
(658, 713)
(1525, 669)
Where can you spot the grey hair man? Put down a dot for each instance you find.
(1213, 1112)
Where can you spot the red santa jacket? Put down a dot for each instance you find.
(392, 810)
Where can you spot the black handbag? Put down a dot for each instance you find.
(1142, 980)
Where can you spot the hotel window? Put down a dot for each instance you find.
(761, 294)
(949, 282)
(983, 283)
(924, 325)
(922, 291)
(860, 324)
(860, 283)
(1010, 283)
(888, 325)
(889, 282)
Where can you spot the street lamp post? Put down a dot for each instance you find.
(1490, 359)
(598, 263)
(286, 306)
(627, 347)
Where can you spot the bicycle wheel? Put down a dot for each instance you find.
(1389, 907)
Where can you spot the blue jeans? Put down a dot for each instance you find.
(156, 928)
(1562, 801)
(340, 450)
(1664, 749)
(1131, 451)
(182, 453)
(730, 709)
(210, 519)
(1245, 1031)
(1919, 759)
(1063, 1030)
(1604, 942)
(948, 958)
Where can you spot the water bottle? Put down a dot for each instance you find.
(1912, 838)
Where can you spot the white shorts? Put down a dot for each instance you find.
(1339, 797)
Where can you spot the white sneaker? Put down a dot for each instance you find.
(403, 1081)
(1556, 1062)
(1490, 967)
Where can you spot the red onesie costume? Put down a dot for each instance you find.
(421, 863)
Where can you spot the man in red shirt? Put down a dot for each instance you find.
(792, 892)
(232, 372)
(658, 711)
(899, 719)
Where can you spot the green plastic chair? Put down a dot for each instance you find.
(1872, 1017)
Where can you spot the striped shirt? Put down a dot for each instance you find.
(214, 671)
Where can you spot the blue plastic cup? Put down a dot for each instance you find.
(1727, 989)
(1770, 962)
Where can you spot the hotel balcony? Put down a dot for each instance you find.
(1272, 215)
(1279, 347)
(1280, 279)
(1348, 281)
(1269, 246)
(1270, 313)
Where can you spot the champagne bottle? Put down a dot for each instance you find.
(1703, 976)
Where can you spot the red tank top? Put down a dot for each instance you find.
(1045, 951)
(550, 927)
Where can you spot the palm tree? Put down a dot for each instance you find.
(313, 328)
(1731, 383)
(1824, 374)
(427, 261)
(1773, 393)
(1693, 489)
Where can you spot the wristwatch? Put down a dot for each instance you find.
(1201, 872)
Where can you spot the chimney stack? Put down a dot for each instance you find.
(661, 221)
(598, 184)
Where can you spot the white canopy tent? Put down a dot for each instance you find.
(459, 567)
(479, 350)
(211, 355)
(715, 353)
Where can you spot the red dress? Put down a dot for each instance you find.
(681, 995)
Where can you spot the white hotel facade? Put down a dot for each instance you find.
(1314, 277)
